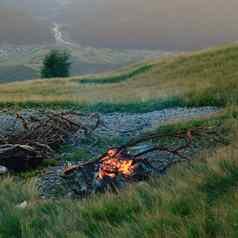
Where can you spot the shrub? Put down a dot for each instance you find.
(56, 64)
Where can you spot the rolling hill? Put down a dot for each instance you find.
(207, 77)
(197, 199)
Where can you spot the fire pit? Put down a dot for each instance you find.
(112, 171)
(120, 166)
(126, 164)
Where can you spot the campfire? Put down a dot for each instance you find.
(112, 171)
(120, 166)
(115, 162)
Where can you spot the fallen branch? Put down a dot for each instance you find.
(43, 132)
(179, 152)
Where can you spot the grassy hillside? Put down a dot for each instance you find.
(203, 78)
(194, 200)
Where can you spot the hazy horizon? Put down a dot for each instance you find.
(166, 25)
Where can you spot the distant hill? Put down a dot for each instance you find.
(20, 27)
(85, 60)
(17, 73)
(207, 77)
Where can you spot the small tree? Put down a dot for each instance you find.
(56, 64)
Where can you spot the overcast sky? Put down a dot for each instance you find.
(167, 24)
(164, 24)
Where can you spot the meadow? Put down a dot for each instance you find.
(194, 200)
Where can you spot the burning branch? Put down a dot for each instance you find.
(120, 161)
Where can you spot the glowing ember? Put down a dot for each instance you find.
(114, 163)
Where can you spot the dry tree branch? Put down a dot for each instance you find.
(45, 131)
(179, 152)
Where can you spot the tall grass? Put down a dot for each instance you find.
(198, 199)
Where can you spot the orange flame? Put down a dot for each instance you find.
(114, 163)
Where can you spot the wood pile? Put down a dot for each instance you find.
(43, 133)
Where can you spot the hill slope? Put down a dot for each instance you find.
(196, 199)
(207, 77)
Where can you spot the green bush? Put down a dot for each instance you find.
(56, 64)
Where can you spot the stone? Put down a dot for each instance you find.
(3, 170)
(22, 205)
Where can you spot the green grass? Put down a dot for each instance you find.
(101, 106)
(194, 200)
(120, 77)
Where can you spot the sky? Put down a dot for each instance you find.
(167, 24)
(162, 24)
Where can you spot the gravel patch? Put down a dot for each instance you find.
(120, 124)
(128, 124)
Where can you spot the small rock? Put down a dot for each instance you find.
(22, 205)
(3, 170)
